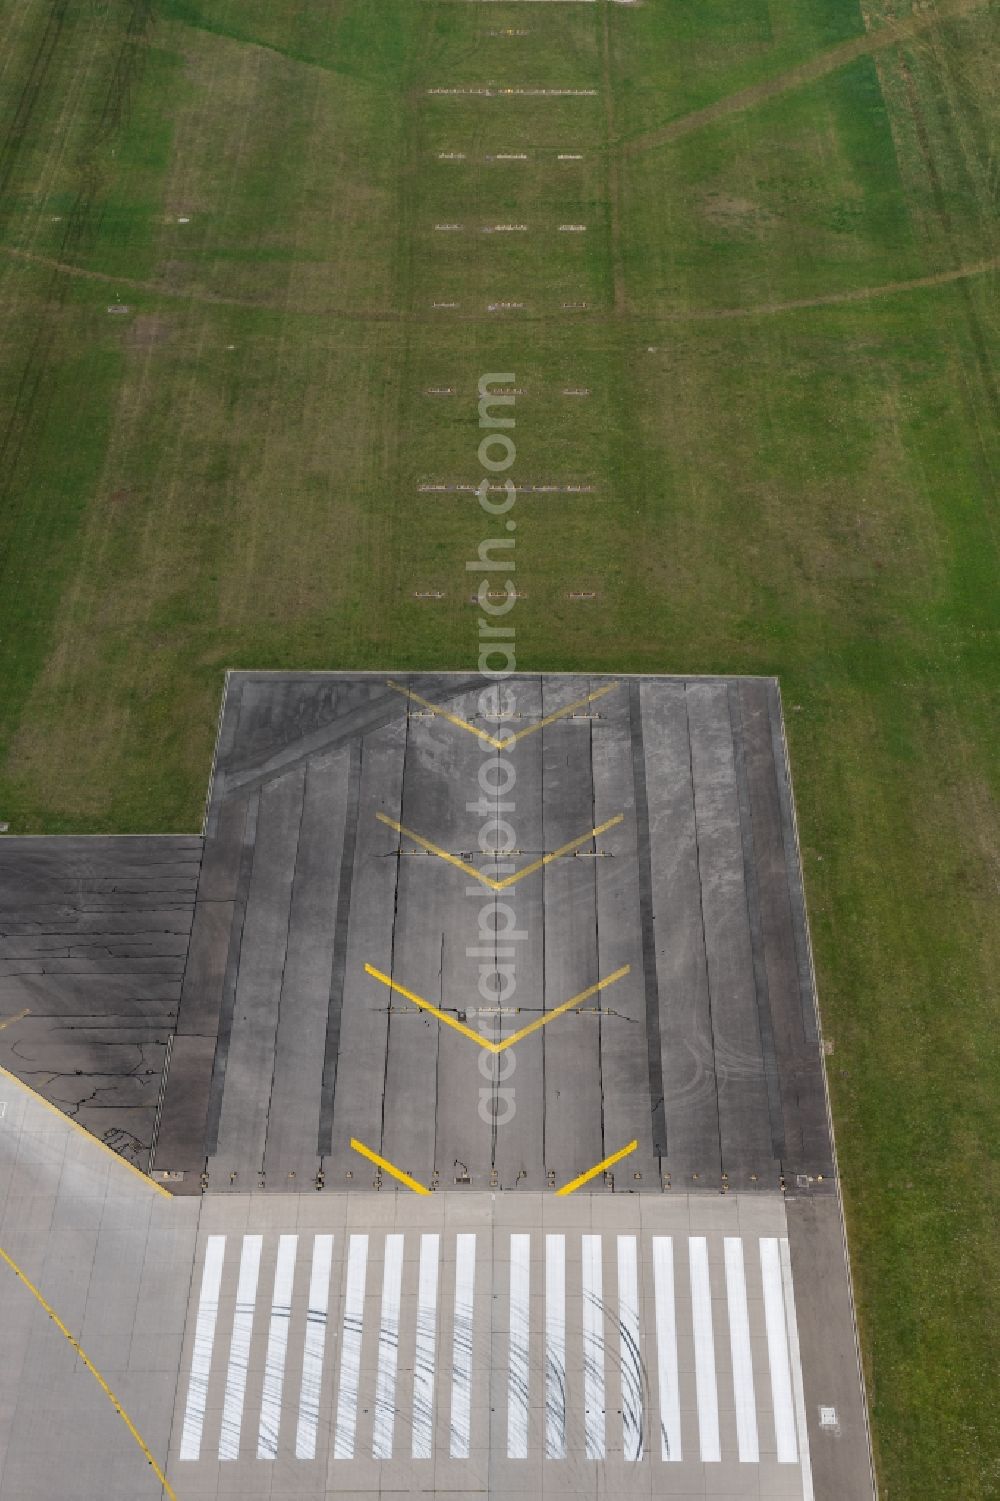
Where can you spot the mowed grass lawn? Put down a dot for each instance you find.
(788, 332)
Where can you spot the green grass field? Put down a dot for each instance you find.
(790, 270)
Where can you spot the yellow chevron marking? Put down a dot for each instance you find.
(508, 1042)
(500, 742)
(519, 875)
(387, 1167)
(592, 1172)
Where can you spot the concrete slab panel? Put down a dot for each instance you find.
(347, 828)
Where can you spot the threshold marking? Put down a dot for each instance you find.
(518, 1367)
(519, 875)
(594, 1398)
(383, 1162)
(555, 1346)
(506, 741)
(315, 1342)
(493, 1047)
(277, 1348)
(741, 1349)
(105, 1388)
(204, 1343)
(239, 1348)
(388, 1347)
(630, 1349)
(704, 1350)
(422, 1441)
(460, 1427)
(350, 1347)
(782, 1400)
(599, 1167)
(552, 1362)
(798, 1392)
(666, 1348)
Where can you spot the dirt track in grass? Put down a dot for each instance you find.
(889, 35)
(359, 315)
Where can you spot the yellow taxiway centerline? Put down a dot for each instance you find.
(498, 742)
(105, 1388)
(508, 1042)
(19, 1016)
(387, 1167)
(592, 1172)
(519, 875)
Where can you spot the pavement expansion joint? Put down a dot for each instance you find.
(506, 882)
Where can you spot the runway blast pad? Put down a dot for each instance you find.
(497, 940)
(486, 944)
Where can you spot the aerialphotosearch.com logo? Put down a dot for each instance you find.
(497, 932)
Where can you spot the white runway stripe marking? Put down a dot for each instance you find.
(461, 1346)
(593, 1348)
(517, 1357)
(704, 1350)
(568, 1432)
(777, 1351)
(666, 1348)
(793, 1346)
(204, 1343)
(388, 1348)
(350, 1348)
(239, 1348)
(315, 1345)
(423, 1360)
(277, 1348)
(739, 1344)
(631, 1352)
(555, 1347)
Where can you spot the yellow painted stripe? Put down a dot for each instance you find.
(558, 714)
(455, 719)
(94, 1140)
(592, 1172)
(435, 849)
(508, 881)
(105, 1388)
(501, 742)
(508, 1042)
(442, 1016)
(563, 849)
(550, 1016)
(387, 1167)
(8, 1021)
